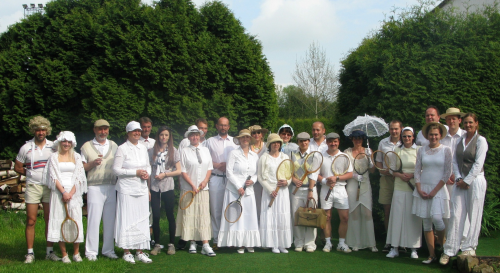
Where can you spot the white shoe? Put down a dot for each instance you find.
(52, 256)
(344, 248)
(327, 247)
(111, 255)
(309, 249)
(393, 253)
(77, 258)
(374, 249)
(30, 258)
(66, 259)
(250, 250)
(414, 254)
(128, 257)
(241, 250)
(207, 250)
(143, 257)
(192, 248)
(469, 253)
(299, 249)
(283, 250)
(444, 260)
(355, 249)
(92, 258)
(276, 250)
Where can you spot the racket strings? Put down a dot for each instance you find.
(69, 230)
(361, 164)
(393, 161)
(285, 170)
(313, 162)
(233, 212)
(186, 200)
(341, 165)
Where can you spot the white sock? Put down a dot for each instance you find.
(30, 251)
(328, 240)
(341, 241)
(395, 249)
(206, 245)
(49, 250)
(413, 250)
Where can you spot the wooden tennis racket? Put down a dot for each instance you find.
(187, 199)
(284, 172)
(361, 166)
(69, 228)
(380, 154)
(312, 163)
(340, 166)
(395, 164)
(234, 210)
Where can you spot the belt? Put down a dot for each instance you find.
(219, 175)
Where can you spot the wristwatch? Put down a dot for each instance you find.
(310, 190)
(338, 178)
(458, 179)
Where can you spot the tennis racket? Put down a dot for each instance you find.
(69, 228)
(187, 199)
(395, 164)
(312, 163)
(361, 166)
(233, 211)
(381, 154)
(340, 166)
(284, 172)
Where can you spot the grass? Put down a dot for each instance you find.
(12, 245)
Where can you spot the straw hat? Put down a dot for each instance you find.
(442, 129)
(244, 132)
(257, 128)
(273, 138)
(452, 112)
(193, 129)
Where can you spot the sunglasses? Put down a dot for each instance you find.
(286, 134)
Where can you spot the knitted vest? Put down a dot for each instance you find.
(102, 174)
(466, 157)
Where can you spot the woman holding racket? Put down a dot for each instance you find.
(258, 146)
(405, 228)
(361, 233)
(132, 167)
(469, 192)
(65, 176)
(193, 221)
(430, 197)
(165, 165)
(241, 164)
(286, 134)
(275, 220)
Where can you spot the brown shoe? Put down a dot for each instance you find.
(214, 247)
(171, 249)
(156, 250)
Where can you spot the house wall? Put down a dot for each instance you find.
(461, 5)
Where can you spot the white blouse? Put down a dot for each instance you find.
(196, 171)
(128, 159)
(420, 167)
(267, 167)
(238, 168)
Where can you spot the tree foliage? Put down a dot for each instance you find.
(420, 57)
(294, 103)
(120, 60)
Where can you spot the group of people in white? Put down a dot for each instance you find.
(126, 184)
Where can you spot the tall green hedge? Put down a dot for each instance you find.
(120, 60)
(420, 58)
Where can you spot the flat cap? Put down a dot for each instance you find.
(101, 122)
(303, 136)
(332, 136)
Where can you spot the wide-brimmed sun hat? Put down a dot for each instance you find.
(244, 132)
(441, 127)
(452, 112)
(257, 128)
(357, 133)
(273, 138)
(193, 129)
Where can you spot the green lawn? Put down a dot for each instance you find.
(12, 245)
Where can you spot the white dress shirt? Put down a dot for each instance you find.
(326, 168)
(102, 148)
(313, 146)
(128, 159)
(385, 145)
(452, 140)
(185, 142)
(219, 149)
(148, 142)
(481, 150)
(196, 171)
(239, 167)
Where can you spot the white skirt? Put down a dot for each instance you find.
(58, 214)
(405, 228)
(275, 221)
(245, 232)
(439, 204)
(132, 222)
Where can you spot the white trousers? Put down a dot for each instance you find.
(467, 206)
(302, 236)
(216, 189)
(101, 204)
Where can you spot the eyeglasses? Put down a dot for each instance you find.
(256, 132)
(286, 134)
(407, 136)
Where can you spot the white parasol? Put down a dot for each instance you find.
(371, 125)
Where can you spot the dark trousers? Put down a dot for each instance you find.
(168, 199)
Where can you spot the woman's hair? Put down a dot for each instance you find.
(40, 122)
(431, 127)
(269, 148)
(170, 145)
(285, 130)
(401, 138)
(474, 117)
(71, 151)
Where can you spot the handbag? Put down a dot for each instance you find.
(310, 216)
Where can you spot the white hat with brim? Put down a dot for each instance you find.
(132, 126)
(244, 132)
(273, 138)
(442, 129)
(452, 112)
(65, 136)
(193, 129)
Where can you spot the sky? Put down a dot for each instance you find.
(286, 28)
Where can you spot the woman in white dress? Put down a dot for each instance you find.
(241, 164)
(430, 197)
(275, 221)
(405, 228)
(258, 146)
(469, 192)
(361, 233)
(193, 223)
(132, 167)
(65, 176)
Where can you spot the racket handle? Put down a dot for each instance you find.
(328, 194)
(271, 203)
(295, 191)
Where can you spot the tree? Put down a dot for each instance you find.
(316, 77)
(120, 60)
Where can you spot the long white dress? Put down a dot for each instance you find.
(360, 231)
(275, 221)
(405, 228)
(433, 165)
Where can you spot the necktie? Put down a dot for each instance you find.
(198, 155)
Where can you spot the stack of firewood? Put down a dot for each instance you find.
(12, 187)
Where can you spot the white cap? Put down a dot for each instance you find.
(133, 125)
(65, 136)
(193, 129)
